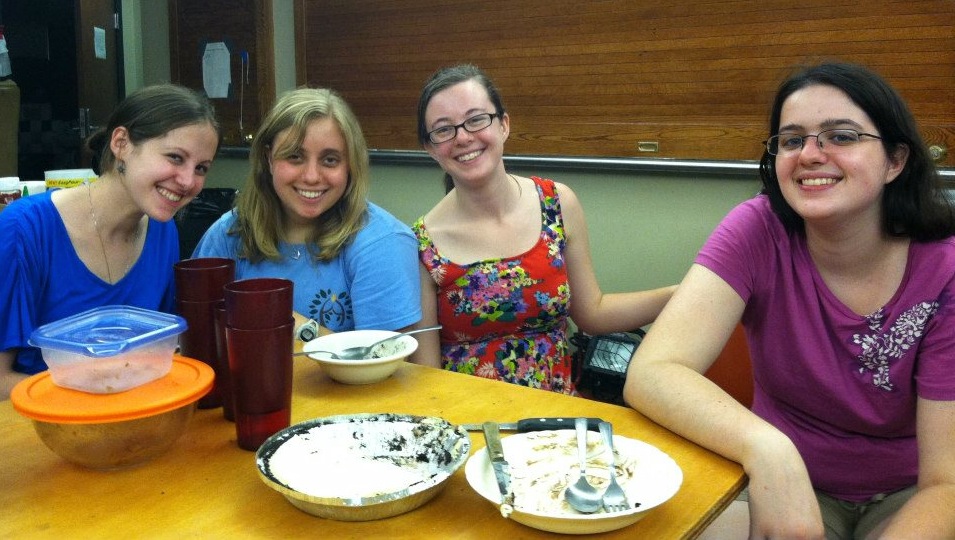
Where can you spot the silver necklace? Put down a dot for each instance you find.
(298, 254)
(520, 191)
(102, 245)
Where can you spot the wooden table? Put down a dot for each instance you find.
(206, 487)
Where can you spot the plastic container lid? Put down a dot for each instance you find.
(38, 398)
(107, 330)
(78, 174)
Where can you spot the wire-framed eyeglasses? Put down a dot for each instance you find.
(831, 141)
(471, 125)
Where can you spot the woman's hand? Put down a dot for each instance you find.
(782, 502)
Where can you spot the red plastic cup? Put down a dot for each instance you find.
(258, 303)
(260, 362)
(198, 341)
(223, 373)
(203, 279)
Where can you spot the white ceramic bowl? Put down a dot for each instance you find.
(361, 467)
(544, 458)
(364, 371)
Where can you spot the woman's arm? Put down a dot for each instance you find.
(928, 514)
(593, 311)
(429, 344)
(665, 382)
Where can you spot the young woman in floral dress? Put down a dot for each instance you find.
(501, 254)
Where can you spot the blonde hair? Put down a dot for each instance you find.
(261, 216)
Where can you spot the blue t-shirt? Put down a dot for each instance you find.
(372, 284)
(46, 281)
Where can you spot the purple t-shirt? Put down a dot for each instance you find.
(842, 386)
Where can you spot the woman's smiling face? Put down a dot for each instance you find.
(164, 173)
(822, 183)
(312, 178)
(467, 155)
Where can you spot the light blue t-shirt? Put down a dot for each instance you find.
(372, 284)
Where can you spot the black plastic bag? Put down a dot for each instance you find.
(196, 217)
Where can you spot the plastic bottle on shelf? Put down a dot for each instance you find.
(5, 69)
(9, 189)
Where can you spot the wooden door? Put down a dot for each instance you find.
(98, 62)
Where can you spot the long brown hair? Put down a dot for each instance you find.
(149, 113)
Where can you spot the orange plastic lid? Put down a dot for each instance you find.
(39, 399)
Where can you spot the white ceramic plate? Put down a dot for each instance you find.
(548, 459)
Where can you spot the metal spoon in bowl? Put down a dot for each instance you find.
(330, 354)
(358, 353)
(582, 496)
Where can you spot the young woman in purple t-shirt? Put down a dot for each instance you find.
(843, 273)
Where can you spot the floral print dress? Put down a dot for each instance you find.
(506, 319)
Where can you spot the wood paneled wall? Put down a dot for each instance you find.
(600, 77)
(246, 28)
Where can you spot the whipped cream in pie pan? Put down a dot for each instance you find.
(364, 466)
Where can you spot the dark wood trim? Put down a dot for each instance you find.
(245, 25)
(601, 77)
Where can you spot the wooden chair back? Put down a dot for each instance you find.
(732, 370)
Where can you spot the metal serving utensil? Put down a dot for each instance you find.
(331, 355)
(582, 496)
(614, 500)
(358, 353)
(495, 454)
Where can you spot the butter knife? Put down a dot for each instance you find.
(495, 454)
(537, 424)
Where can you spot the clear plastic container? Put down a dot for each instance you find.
(9, 189)
(109, 349)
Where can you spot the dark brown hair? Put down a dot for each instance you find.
(152, 112)
(914, 204)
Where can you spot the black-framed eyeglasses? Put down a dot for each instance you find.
(831, 141)
(471, 125)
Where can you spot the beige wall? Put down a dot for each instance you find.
(145, 42)
(644, 229)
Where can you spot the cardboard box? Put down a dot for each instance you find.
(9, 127)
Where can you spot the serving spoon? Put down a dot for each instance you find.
(330, 354)
(582, 496)
(358, 353)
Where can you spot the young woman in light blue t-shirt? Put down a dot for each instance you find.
(303, 215)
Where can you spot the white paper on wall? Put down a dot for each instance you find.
(99, 43)
(216, 75)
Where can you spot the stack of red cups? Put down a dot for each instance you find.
(200, 285)
(259, 329)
